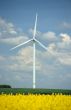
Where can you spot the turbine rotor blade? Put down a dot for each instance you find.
(41, 44)
(35, 27)
(21, 44)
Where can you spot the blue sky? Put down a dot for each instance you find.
(53, 67)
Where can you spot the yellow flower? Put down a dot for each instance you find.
(35, 102)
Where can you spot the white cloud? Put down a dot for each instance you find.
(65, 37)
(66, 25)
(52, 47)
(7, 27)
(65, 59)
(14, 40)
(65, 42)
(12, 31)
(10, 34)
(49, 36)
(48, 62)
(26, 54)
(21, 61)
(60, 50)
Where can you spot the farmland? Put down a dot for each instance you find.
(34, 91)
(35, 102)
(34, 99)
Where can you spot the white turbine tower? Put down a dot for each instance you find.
(34, 40)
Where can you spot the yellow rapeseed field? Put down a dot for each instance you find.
(35, 102)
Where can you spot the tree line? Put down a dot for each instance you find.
(5, 86)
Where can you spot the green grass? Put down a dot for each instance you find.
(33, 91)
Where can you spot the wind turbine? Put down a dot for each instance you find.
(34, 41)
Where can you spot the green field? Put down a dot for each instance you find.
(33, 91)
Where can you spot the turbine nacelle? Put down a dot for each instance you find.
(34, 40)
